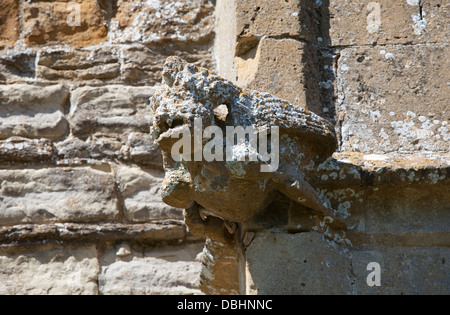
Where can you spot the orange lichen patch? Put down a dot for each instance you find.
(80, 23)
(9, 22)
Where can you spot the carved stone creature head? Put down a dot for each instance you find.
(235, 190)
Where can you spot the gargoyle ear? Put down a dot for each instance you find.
(172, 67)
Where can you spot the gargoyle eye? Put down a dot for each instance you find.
(221, 112)
(177, 122)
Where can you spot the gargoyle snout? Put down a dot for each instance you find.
(166, 130)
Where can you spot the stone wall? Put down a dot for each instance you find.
(378, 70)
(80, 210)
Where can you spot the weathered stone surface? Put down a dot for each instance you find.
(258, 18)
(394, 98)
(226, 39)
(96, 147)
(135, 147)
(157, 21)
(56, 195)
(285, 68)
(219, 275)
(304, 263)
(389, 215)
(313, 265)
(380, 169)
(110, 109)
(141, 195)
(75, 23)
(33, 111)
(365, 22)
(404, 270)
(141, 149)
(143, 65)
(223, 187)
(24, 150)
(96, 65)
(170, 270)
(50, 271)
(10, 25)
(17, 65)
(166, 231)
(390, 198)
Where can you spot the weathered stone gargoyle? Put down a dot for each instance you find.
(236, 190)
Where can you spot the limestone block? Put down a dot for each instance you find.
(135, 147)
(33, 111)
(168, 270)
(24, 150)
(75, 23)
(95, 65)
(226, 39)
(155, 232)
(56, 195)
(394, 98)
(285, 68)
(417, 208)
(403, 270)
(158, 21)
(96, 147)
(303, 263)
(110, 109)
(10, 25)
(50, 271)
(17, 65)
(140, 190)
(258, 18)
(220, 274)
(141, 150)
(143, 65)
(365, 22)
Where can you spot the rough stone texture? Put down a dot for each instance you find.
(191, 92)
(141, 149)
(24, 150)
(160, 21)
(394, 98)
(357, 185)
(56, 195)
(219, 274)
(283, 67)
(408, 21)
(395, 205)
(60, 271)
(258, 18)
(9, 22)
(313, 261)
(404, 270)
(97, 65)
(118, 110)
(171, 270)
(55, 22)
(17, 65)
(33, 111)
(143, 64)
(156, 233)
(96, 147)
(117, 131)
(308, 262)
(79, 172)
(142, 199)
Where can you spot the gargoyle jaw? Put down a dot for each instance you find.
(167, 139)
